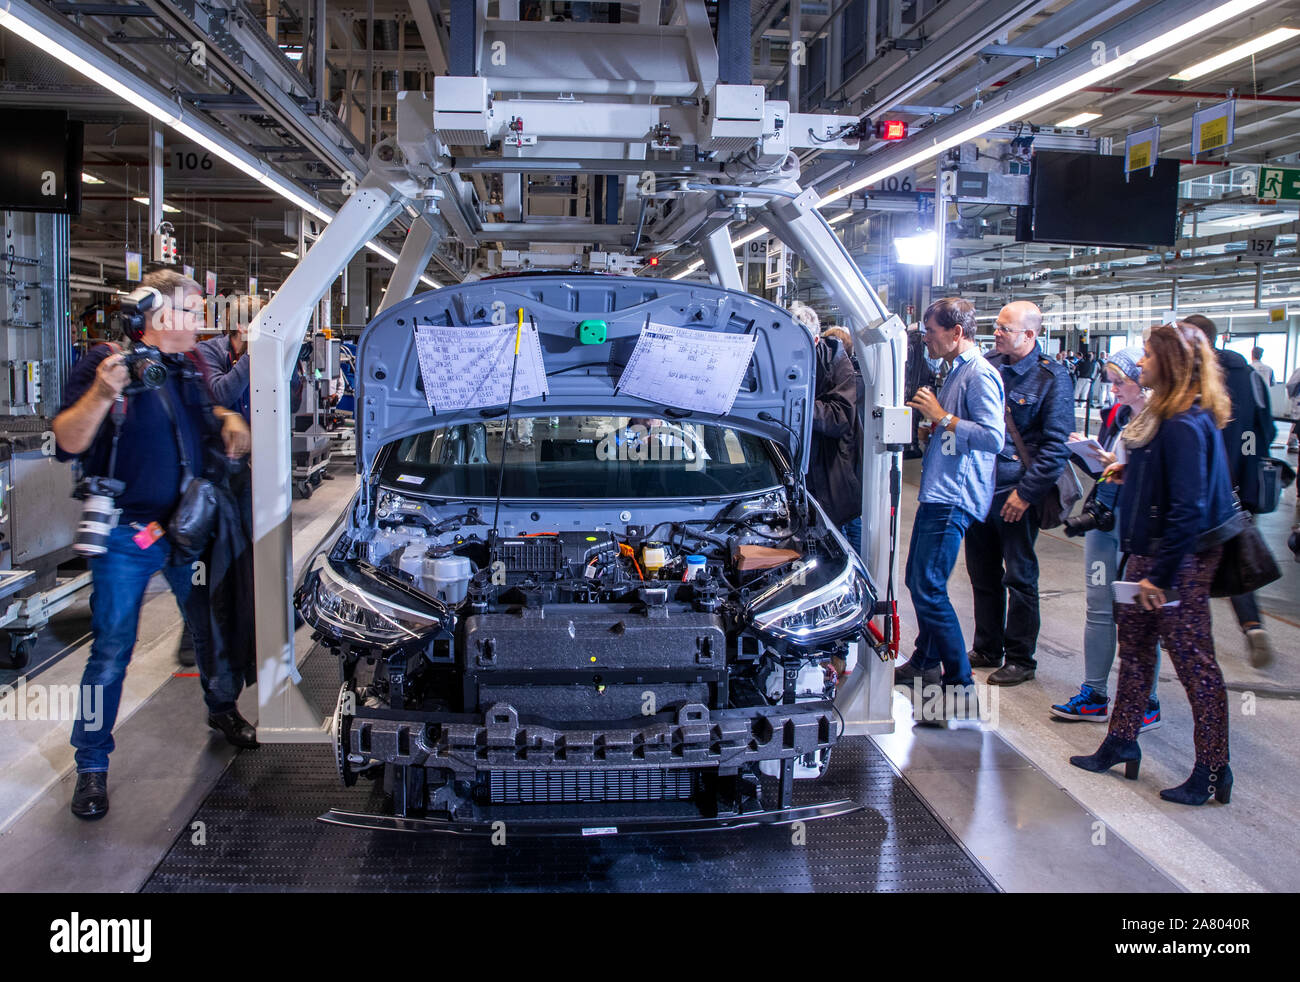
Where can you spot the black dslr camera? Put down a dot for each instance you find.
(1096, 514)
(143, 361)
(99, 514)
(146, 367)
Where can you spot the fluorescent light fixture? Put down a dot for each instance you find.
(168, 209)
(90, 178)
(743, 240)
(840, 217)
(1078, 119)
(1248, 219)
(18, 22)
(916, 250)
(1236, 53)
(1122, 62)
(288, 255)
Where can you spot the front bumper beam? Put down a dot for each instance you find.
(694, 737)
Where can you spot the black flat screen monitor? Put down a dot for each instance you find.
(1083, 199)
(40, 161)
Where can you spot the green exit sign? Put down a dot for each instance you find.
(1279, 184)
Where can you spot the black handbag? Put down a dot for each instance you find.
(1246, 564)
(194, 522)
(1274, 476)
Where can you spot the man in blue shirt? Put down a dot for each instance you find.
(1000, 554)
(225, 362)
(145, 456)
(966, 433)
(223, 357)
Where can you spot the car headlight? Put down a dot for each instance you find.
(815, 613)
(337, 605)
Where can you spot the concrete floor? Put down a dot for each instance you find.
(1003, 788)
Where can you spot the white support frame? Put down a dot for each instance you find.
(720, 259)
(417, 250)
(285, 714)
(880, 343)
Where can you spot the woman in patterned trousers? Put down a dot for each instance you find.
(1176, 511)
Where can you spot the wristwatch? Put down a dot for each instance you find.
(943, 423)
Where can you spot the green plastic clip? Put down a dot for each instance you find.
(593, 332)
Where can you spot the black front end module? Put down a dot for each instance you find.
(687, 770)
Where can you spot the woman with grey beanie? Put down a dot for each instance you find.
(1101, 555)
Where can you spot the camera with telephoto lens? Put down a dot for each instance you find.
(146, 368)
(1096, 514)
(99, 514)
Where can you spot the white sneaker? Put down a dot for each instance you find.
(1261, 647)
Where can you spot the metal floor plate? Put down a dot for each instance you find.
(260, 834)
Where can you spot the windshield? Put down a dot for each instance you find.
(618, 457)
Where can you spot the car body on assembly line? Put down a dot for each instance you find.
(591, 613)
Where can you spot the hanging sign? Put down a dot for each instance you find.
(1141, 149)
(1214, 128)
(134, 266)
(252, 286)
(210, 283)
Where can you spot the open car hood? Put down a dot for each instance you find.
(581, 378)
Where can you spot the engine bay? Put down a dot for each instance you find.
(700, 564)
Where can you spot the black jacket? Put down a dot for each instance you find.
(1042, 406)
(1175, 489)
(1251, 430)
(230, 577)
(835, 457)
(916, 373)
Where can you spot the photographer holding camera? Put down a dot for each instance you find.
(1098, 524)
(138, 421)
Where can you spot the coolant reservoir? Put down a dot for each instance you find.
(412, 562)
(449, 578)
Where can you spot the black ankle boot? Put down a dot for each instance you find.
(1206, 781)
(1113, 751)
(238, 731)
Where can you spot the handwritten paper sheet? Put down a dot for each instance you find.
(466, 368)
(686, 368)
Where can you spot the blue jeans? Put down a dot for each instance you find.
(936, 537)
(852, 530)
(119, 578)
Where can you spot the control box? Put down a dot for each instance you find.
(461, 116)
(895, 425)
(731, 118)
(24, 385)
(325, 357)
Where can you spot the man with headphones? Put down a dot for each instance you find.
(142, 435)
